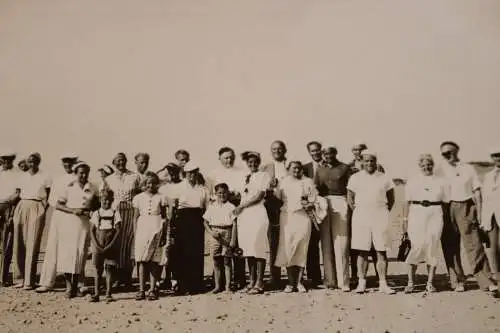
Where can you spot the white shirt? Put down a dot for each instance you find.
(148, 204)
(33, 187)
(220, 214)
(76, 197)
(59, 186)
(315, 168)
(293, 190)
(231, 176)
(109, 218)
(191, 196)
(491, 197)
(280, 171)
(370, 189)
(9, 183)
(169, 190)
(430, 188)
(462, 180)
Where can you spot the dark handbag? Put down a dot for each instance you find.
(404, 249)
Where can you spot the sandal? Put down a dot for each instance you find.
(430, 288)
(408, 289)
(109, 299)
(152, 295)
(256, 291)
(140, 296)
(94, 299)
(288, 289)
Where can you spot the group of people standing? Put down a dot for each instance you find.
(284, 213)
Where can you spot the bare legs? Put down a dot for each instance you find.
(381, 266)
(223, 271)
(295, 274)
(153, 271)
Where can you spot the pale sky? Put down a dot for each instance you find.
(97, 77)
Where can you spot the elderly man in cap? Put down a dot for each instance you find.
(53, 217)
(356, 165)
(461, 221)
(371, 197)
(490, 220)
(9, 196)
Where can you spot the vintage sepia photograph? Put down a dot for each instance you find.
(241, 166)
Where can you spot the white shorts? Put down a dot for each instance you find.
(370, 226)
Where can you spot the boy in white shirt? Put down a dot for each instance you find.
(220, 224)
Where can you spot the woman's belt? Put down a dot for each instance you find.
(426, 203)
(221, 226)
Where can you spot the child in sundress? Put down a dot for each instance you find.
(104, 233)
(150, 235)
(220, 224)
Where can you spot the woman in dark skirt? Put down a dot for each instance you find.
(125, 184)
(192, 200)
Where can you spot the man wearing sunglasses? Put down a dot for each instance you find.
(462, 221)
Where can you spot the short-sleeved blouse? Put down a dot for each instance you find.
(148, 204)
(33, 187)
(430, 188)
(255, 183)
(75, 196)
(190, 196)
(124, 186)
(293, 190)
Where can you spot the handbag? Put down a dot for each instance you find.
(404, 249)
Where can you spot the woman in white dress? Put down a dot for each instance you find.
(424, 195)
(253, 222)
(296, 192)
(76, 203)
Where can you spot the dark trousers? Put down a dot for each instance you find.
(190, 247)
(239, 277)
(461, 226)
(7, 241)
(313, 268)
(273, 236)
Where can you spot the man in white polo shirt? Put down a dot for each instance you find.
(462, 221)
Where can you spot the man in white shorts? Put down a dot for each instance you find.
(371, 197)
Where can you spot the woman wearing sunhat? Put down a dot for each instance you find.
(53, 218)
(192, 199)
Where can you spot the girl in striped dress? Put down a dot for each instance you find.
(125, 184)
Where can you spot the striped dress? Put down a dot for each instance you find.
(125, 186)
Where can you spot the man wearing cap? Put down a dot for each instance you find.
(331, 180)
(313, 268)
(490, 220)
(231, 175)
(9, 196)
(356, 165)
(462, 219)
(53, 217)
(277, 171)
(371, 197)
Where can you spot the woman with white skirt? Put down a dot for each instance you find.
(296, 192)
(253, 222)
(424, 195)
(76, 203)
